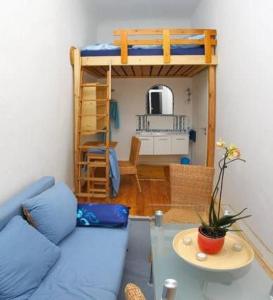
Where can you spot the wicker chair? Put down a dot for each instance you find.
(190, 190)
(133, 292)
(130, 167)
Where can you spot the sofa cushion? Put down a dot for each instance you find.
(63, 293)
(53, 212)
(26, 256)
(92, 259)
(13, 206)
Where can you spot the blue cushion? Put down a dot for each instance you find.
(13, 206)
(92, 259)
(102, 215)
(53, 212)
(26, 256)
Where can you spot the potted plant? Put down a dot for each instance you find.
(211, 234)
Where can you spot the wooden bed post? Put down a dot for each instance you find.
(211, 115)
(77, 90)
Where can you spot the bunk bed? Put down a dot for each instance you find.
(133, 53)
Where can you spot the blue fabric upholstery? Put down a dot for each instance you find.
(53, 212)
(25, 258)
(90, 267)
(102, 215)
(12, 206)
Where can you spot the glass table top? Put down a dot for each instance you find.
(250, 283)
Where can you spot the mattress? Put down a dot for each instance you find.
(145, 51)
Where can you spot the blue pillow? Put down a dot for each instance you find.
(25, 258)
(102, 215)
(53, 212)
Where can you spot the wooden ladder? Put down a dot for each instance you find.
(92, 117)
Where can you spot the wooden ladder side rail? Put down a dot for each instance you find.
(76, 61)
(107, 142)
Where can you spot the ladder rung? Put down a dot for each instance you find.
(94, 179)
(96, 156)
(86, 147)
(92, 164)
(94, 195)
(93, 115)
(98, 190)
(94, 100)
(92, 132)
(94, 85)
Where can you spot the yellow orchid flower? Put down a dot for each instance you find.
(233, 152)
(220, 143)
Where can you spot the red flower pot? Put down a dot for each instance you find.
(209, 245)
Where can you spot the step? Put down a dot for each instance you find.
(96, 156)
(93, 164)
(94, 100)
(92, 195)
(94, 85)
(100, 180)
(92, 132)
(87, 147)
(94, 115)
(92, 190)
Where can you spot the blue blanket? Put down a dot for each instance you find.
(114, 168)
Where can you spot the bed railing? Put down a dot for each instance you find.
(166, 38)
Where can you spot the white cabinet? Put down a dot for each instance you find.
(162, 145)
(147, 145)
(180, 144)
(168, 144)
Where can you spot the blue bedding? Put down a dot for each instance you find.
(90, 266)
(114, 168)
(139, 51)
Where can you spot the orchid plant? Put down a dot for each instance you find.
(218, 224)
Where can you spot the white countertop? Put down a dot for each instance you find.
(160, 133)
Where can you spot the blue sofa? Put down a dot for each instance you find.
(91, 262)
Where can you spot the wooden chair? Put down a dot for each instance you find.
(130, 167)
(190, 190)
(133, 292)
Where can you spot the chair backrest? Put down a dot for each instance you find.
(135, 148)
(190, 185)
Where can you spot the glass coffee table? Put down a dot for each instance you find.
(250, 283)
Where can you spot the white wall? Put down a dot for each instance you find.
(245, 102)
(36, 88)
(131, 96)
(105, 28)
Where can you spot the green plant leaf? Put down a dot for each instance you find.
(204, 224)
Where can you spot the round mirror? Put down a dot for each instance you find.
(159, 100)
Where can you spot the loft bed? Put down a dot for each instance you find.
(134, 53)
(151, 49)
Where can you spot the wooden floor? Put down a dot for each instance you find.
(154, 181)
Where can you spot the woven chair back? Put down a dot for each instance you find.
(190, 185)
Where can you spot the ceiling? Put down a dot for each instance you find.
(140, 9)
